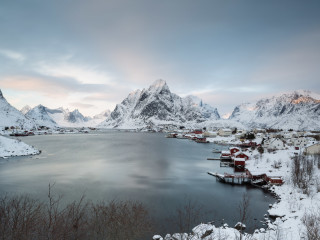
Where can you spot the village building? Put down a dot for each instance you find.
(238, 136)
(239, 163)
(225, 132)
(274, 144)
(209, 134)
(299, 142)
(313, 149)
(240, 155)
(234, 150)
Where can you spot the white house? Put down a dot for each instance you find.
(225, 132)
(209, 134)
(299, 142)
(313, 149)
(274, 144)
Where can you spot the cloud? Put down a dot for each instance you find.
(81, 105)
(293, 67)
(12, 55)
(50, 86)
(82, 73)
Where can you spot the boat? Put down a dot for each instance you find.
(202, 140)
(171, 135)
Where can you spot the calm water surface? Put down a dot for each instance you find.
(147, 167)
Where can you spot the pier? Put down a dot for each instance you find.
(231, 178)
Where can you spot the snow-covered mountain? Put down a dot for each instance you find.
(157, 105)
(296, 110)
(25, 109)
(103, 115)
(10, 116)
(40, 116)
(59, 117)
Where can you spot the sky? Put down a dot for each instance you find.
(89, 55)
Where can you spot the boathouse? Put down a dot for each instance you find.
(225, 155)
(239, 163)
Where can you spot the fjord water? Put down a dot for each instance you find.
(160, 172)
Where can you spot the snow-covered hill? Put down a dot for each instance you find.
(157, 105)
(10, 116)
(296, 110)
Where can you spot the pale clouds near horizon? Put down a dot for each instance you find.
(90, 55)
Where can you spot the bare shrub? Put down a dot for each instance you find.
(243, 209)
(24, 218)
(120, 220)
(312, 223)
(302, 172)
(19, 217)
(187, 216)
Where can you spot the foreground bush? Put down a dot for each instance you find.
(26, 218)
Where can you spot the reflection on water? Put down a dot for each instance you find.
(146, 167)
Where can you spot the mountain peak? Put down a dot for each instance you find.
(158, 85)
(25, 109)
(1, 96)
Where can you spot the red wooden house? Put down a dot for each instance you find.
(225, 155)
(239, 163)
(274, 180)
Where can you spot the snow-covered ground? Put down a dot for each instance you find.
(13, 147)
(290, 210)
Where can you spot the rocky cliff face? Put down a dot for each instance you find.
(157, 105)
(296, 110)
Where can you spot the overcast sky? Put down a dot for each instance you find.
(90, 54)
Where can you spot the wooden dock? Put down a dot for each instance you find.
(217, 159)
(231, 178)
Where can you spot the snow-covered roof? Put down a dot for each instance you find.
(239, 159)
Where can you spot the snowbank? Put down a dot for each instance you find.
(12, 147)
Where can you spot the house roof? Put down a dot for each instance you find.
(238, 153)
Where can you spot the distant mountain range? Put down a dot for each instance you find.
(157, 105)
(294, 110)
(61, 117)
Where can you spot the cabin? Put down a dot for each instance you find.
(233, 150)
(241, 155)
(312, 150)
(274, 180)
